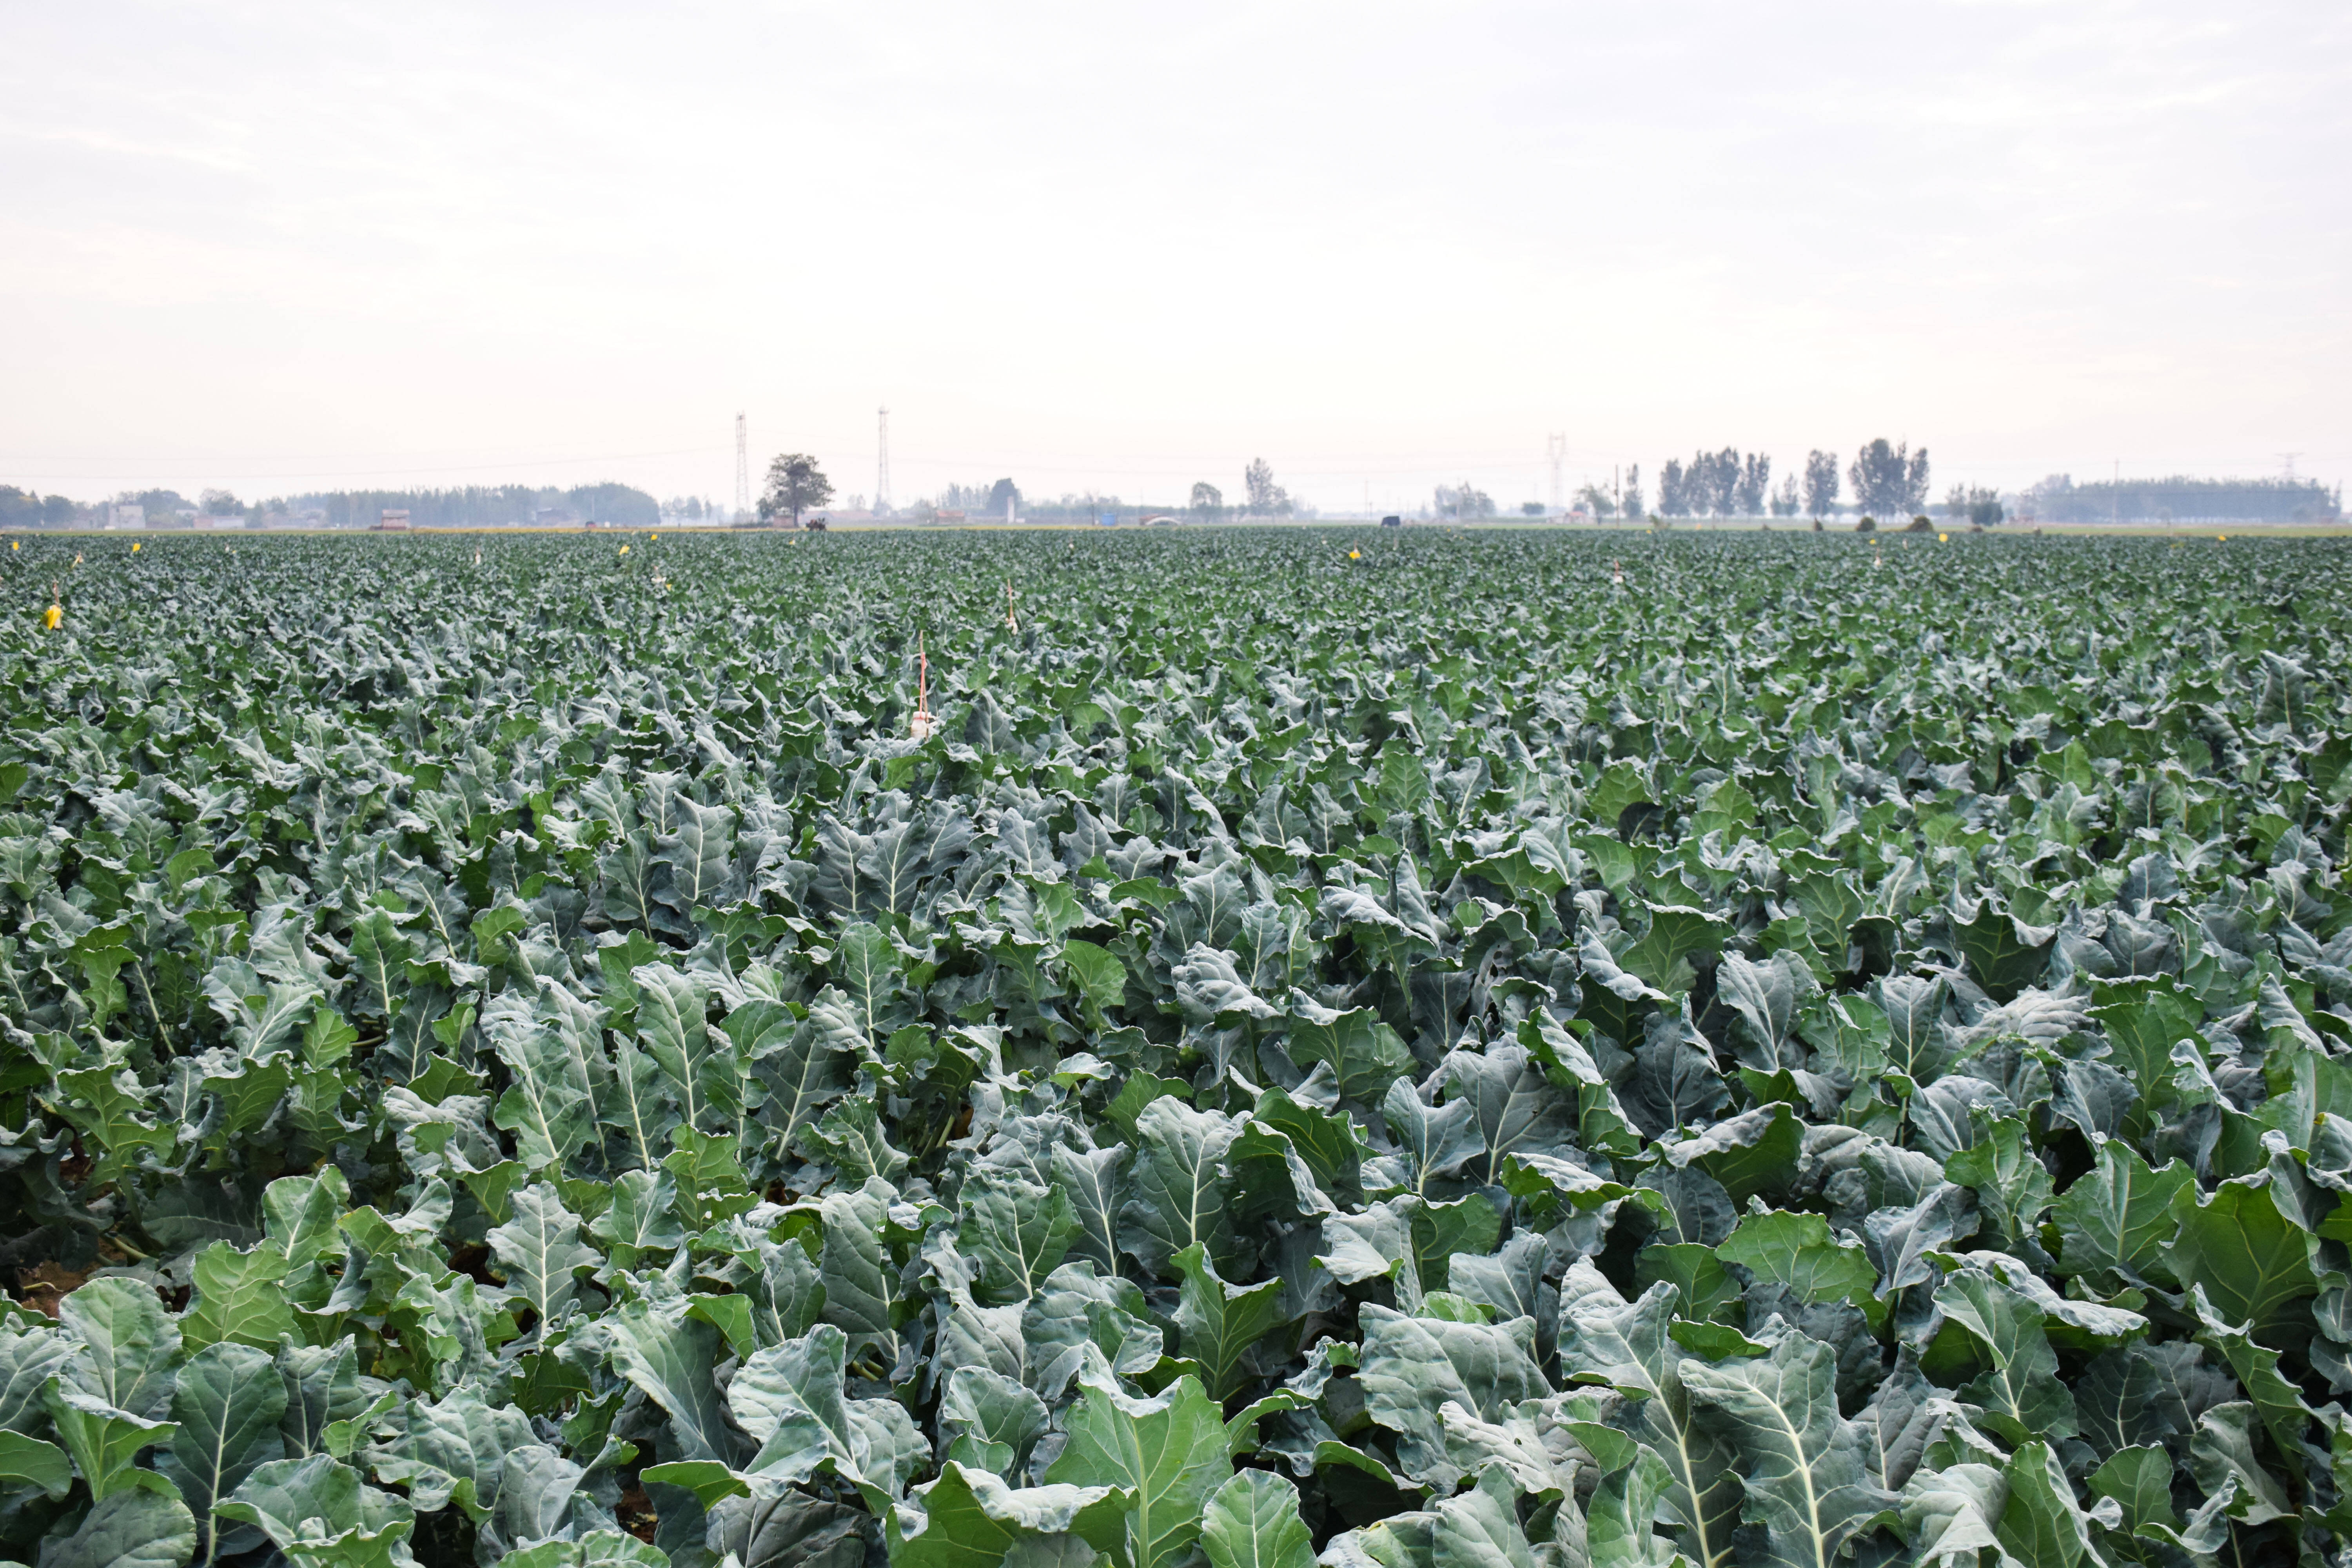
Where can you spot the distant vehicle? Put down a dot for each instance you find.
(1391, 521)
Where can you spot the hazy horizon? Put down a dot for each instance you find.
(280, 249)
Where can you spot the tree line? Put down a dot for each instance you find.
(471, 506)
(1884, 478)
(2059, 499)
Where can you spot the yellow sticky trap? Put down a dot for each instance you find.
(1355, 555)
(54, 616)
(135, 546)
(624, 550)
(1943, 539)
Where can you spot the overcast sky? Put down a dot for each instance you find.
(287, 247)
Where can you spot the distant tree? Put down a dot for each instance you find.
(623, 504)
(1003, 494)
(1888, 477)
(1973, 503)
(1630, 505)
(1673, 490)
(1698, 485)
(1208, 500)
(1914, 481)
(221, 503)
(30, 509)
(163, 501)
(1867, 525)
(1785, 501)
(1597, 501)
(795, 484)
(1263, 496)
(1464, 500)
(1920, 525)
(1755, 484)
(1820, 483)
(1531, 508)
(1715, 482)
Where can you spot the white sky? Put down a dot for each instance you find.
(283, 246)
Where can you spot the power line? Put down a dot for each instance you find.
(742, 473)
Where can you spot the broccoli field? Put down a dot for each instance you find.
(1826, 1052)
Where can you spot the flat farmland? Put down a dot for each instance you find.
(1432, 1048)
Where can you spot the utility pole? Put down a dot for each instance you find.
(1559, 447)
(2115, 495)
(882, 468)
(742, 474)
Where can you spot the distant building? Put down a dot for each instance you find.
(949, 514)
(555, 516)
(393, 521)
(126, 516)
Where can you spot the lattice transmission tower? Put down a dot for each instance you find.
(742, 473)
(1558, 447)
(882, 465)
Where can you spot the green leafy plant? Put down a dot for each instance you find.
(1414, 1060)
